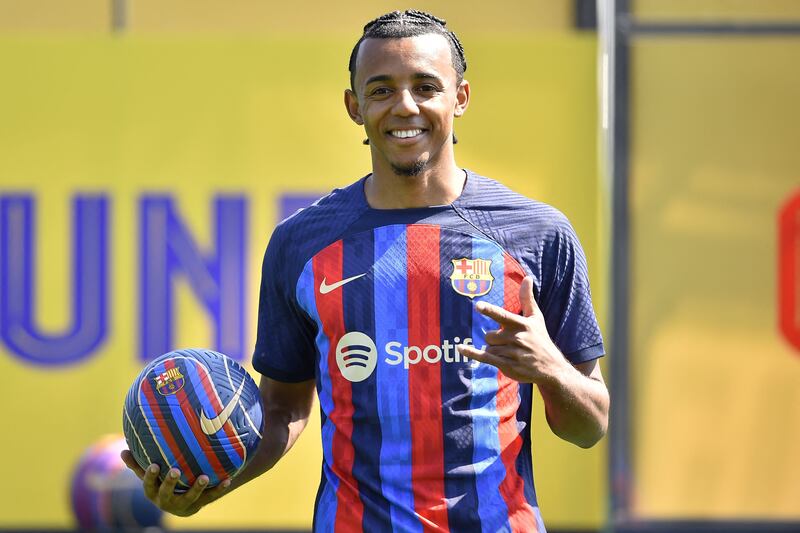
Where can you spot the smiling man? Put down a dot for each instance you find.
(422, 303)
(390, 78)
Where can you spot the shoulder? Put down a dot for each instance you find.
(301, 235)
(507, 212)
(309, 221)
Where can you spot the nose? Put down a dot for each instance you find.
(405, 105)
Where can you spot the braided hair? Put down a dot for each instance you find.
(410, 23)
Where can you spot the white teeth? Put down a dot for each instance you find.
(404, 134)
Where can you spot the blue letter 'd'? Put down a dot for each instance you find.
(217, 279)
(89, 318)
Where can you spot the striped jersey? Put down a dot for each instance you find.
(371, 304)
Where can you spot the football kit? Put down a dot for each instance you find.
(370, 303)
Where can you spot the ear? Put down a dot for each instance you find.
(353, 108)
(462, 98)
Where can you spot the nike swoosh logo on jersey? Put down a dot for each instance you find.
(324, 288)
(212, 425)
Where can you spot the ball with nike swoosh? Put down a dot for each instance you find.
(196, 410)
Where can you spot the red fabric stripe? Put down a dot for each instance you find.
(165, 431)
(424, 379)
(230, 431)
(328, 265)
(194, 423)
(520, 513)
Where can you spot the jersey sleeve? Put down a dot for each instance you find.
(565, 298)
(285, 338)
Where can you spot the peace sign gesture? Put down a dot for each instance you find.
(575, 397)
(521, 348)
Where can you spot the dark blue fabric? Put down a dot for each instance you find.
(456, 320)
(539, 236)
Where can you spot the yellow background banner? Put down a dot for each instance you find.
(120, 121)
(714, 376)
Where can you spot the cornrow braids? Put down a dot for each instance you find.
(410, 23)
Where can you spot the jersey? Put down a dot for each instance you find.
(371, 304)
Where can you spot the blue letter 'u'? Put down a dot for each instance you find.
(88, 326)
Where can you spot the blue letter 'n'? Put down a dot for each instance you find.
(216, 278)
(88, 325)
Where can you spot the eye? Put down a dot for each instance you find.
(380, 91)
(427, 88)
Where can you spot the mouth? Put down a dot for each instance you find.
(406, 133)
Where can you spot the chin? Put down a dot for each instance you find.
(410, 169)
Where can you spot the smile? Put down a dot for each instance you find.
(405, 134)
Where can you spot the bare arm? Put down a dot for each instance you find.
(576, 403)
(287, 407)
(576, 399)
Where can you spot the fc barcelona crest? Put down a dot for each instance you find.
(169, 382)
(471, 277)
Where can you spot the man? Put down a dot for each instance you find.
(407, 301)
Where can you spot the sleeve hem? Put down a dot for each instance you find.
(586, 354)
(281, 375)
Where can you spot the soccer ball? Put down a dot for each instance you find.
(196, 410)
(106, 495)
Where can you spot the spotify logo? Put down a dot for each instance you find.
(356, 355)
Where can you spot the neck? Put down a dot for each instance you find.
(435, 185)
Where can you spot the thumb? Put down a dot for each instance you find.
(130, 462)
(526, 300)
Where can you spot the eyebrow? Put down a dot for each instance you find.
(416, 76)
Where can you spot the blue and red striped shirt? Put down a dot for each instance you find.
(371, 304)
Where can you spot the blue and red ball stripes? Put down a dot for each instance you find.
(428, 440)
(195, 410)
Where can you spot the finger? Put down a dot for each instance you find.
(151, 482)
(195, 491)
(500, 315)
(499, 337)
(484, 356)
(167, 489)
(526, 299)
(494, 337)
(130, 462)
(215, 493)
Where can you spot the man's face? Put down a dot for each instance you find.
(406, 95)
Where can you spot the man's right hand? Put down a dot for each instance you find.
(163, 495)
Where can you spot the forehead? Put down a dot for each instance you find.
(429, 53)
